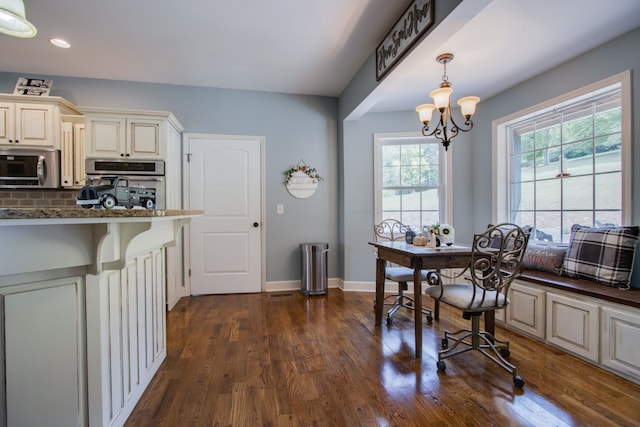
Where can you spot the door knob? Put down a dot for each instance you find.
(255, 224)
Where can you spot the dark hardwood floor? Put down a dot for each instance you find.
(283, 359)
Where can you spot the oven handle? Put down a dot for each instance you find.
(41, 170)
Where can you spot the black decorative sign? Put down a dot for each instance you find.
(412, 24)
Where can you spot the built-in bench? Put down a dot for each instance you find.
(598, 323)
(630, 297)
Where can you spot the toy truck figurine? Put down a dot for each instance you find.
(114, 191)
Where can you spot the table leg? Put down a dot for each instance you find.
(417, 297)
(380, 273)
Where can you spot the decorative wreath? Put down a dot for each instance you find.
(302, 167)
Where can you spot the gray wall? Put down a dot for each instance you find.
(294, 127)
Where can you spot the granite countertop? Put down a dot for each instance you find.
(61, 213)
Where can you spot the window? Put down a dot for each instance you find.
(411, 176)
(566, 163)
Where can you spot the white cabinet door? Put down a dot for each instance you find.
(573, 325)
(72, 167)
(44, 353)
(27, 125)
(34, 125)
(79, 175)
(620, 340)
(66, 154)
(143, 140)
(107, 137)
(7, 123)
(526, 309)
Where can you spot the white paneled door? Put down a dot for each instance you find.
(223, 179)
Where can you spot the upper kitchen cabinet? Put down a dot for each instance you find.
(32, 121)
(128, 134)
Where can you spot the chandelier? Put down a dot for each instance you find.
(446, 128)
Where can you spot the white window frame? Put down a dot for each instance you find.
(501, 197)
(445, 161)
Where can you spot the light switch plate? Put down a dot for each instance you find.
(280, 209)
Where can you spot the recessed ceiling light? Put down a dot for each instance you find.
(60, 43)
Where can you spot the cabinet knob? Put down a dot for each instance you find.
(121, 154)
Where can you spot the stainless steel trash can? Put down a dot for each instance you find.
(314, 268)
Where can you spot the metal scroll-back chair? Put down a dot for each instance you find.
(392, 230)
(496, 260)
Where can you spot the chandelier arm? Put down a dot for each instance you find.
(467, 122)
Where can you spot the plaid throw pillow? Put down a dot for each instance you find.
(604, 255)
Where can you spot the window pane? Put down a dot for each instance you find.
(577, 193)
(411, 200)
(608, 118)
(522, 168)
(410, 176)
(411, 218)
(523, 196)
(410, 154)
(569, 218)
(548, 226)
(548, 163)
(578, 150)
(431, 199)
(391, 176)
(547, 134)
(609, 191)
(391, 155)
(578, 124)
(581, 164)
(604, 219)
(610, 158)
(548, 195)
(390, 200)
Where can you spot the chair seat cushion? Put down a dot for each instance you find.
(403, 274)
(461, 295)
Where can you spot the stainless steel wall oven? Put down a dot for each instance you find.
(145, 173)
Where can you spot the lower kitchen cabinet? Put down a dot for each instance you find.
(619, 344)
(44, 352)
(526, 309)
(573, 325)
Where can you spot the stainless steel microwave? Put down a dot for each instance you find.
(29, 168)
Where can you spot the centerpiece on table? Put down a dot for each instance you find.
(443, 233)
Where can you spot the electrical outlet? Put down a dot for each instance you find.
(280, 209)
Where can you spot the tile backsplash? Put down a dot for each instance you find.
(38, 198)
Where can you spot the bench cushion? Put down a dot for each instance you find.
(604, 255)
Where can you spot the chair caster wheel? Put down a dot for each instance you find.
(445, 343)
(389, 320)
(504, 352)
(518, 382)
(429, 318)
(442, 366)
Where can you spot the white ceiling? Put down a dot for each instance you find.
(309, 47)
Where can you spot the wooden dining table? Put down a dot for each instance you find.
(419, 258)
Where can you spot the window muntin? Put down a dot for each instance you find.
(566, 164)
(410, 180)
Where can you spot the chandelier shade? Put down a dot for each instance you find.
(446, 128)
(13, 20)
